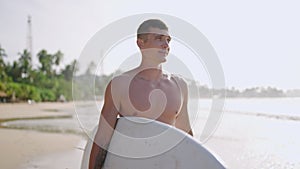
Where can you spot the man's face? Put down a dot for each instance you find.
(156, 44)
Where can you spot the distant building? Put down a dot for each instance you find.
(3, 97)
(62, 98)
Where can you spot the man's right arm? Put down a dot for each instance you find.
(105, 131)
(97, 157)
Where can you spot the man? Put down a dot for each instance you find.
(145, 91)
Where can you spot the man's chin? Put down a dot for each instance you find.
(163, 60)
(162, 57)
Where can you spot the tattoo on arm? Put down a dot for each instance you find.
(100, 158)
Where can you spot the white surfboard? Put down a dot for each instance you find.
(140, 143)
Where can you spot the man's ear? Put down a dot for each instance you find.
(140, 43)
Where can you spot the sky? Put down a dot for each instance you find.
(257, 41)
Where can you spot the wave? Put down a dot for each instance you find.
(267, 115)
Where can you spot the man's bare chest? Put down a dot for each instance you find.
(162, 98)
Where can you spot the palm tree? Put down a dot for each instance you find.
(70, 70)
(2, 52)
(2, 63)
(58, 57)
(45, 60)
(25, 63)
(91, 68)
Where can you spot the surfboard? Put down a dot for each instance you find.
(140, 143)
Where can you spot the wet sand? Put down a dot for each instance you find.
(26, 148)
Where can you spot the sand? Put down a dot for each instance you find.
(25, 110)
(33, 149)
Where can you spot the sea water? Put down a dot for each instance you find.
(251, 133)
(258, 133)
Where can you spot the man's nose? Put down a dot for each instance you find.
(165, 44)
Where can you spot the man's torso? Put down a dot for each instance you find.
(160, 100)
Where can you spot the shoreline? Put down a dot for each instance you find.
(44, 109)
(32, 148)
(244, 138)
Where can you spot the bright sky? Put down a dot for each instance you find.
(257, 41)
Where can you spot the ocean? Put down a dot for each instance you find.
(251, 133)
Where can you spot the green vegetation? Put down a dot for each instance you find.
(19, 81)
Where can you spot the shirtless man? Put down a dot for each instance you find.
(145, 91)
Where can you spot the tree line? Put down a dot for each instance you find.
(203, 91)
(20, 81)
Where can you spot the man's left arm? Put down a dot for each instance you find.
(182, 120)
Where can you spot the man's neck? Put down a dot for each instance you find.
(150, 73)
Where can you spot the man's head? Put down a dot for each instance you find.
(144, 28)
(153, 39)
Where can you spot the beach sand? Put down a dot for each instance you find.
(29, 149)
(25, 110)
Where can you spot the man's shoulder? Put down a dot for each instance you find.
(121, 80)
(126, 76)
(122, 77)
(179, 79)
